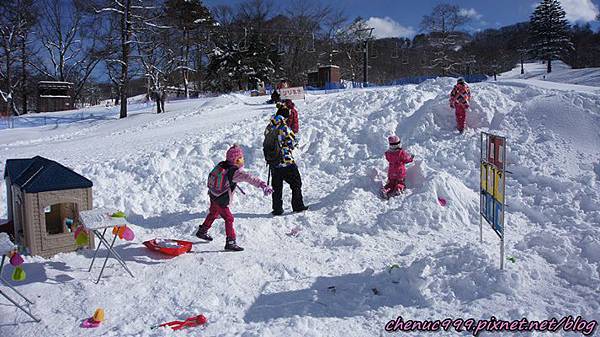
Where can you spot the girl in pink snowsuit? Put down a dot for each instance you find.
(219, 204)
(396, 158)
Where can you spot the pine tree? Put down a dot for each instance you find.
(443, 26)
(234, 66)
(549, 32)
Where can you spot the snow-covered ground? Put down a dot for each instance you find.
(568, 78)
(155, 166)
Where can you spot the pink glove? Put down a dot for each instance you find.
(267, 190)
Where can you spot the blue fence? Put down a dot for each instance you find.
(402, 81)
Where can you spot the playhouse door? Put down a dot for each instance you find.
(57, 237)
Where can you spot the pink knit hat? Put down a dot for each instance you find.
(394, 140)
(234, 153)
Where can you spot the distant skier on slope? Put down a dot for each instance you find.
(397, 158)
(459, 100)
(222, 182)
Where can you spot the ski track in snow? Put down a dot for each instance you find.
(155, 168)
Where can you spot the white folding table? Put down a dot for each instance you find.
(100, 219)
(6, 247)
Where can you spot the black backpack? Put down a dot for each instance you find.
(272, 148)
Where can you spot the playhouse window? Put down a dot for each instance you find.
(56, 216)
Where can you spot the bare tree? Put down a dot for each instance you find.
(255, 12)
(442, 25)
(72, 44)
(304, 26)
(131, 16)
(111, 59)
(223, 14)
(26, 53)
(187, 18)
(14, 25)
(158, 60)
(351, 41)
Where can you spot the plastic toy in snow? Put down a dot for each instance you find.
(124, 232)
(16, 261)
(94, 321)
(82, 236)
(188, 323)
(169, 246)
(118, 214)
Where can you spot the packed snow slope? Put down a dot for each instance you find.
(584, 79)
(357, 261)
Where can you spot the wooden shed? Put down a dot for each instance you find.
(324, 77)
(54, 96)
(41, 195)
(329, 74)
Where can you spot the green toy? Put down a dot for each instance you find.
(118, 214)
(18, 274)
(82, 239)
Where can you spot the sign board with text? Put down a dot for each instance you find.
(292, 93)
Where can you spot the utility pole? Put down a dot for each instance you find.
(366, 55)
(522, 51)
(365, 63)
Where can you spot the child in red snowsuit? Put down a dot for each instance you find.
(396, 158)
(292, 121)
(459, 100)
(219, 204)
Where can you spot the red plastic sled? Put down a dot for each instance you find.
(175, 247)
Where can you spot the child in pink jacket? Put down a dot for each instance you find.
(396, 158)
(224, 178)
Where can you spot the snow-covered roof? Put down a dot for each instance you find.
(329, 66)
(54, 82)
(55, 96)
(40, 174)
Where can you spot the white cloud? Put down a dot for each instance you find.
(471, 13)
(580, 10)
(387, 27)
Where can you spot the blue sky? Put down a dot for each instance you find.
(402, 17)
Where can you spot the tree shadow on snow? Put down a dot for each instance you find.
(338, 296)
